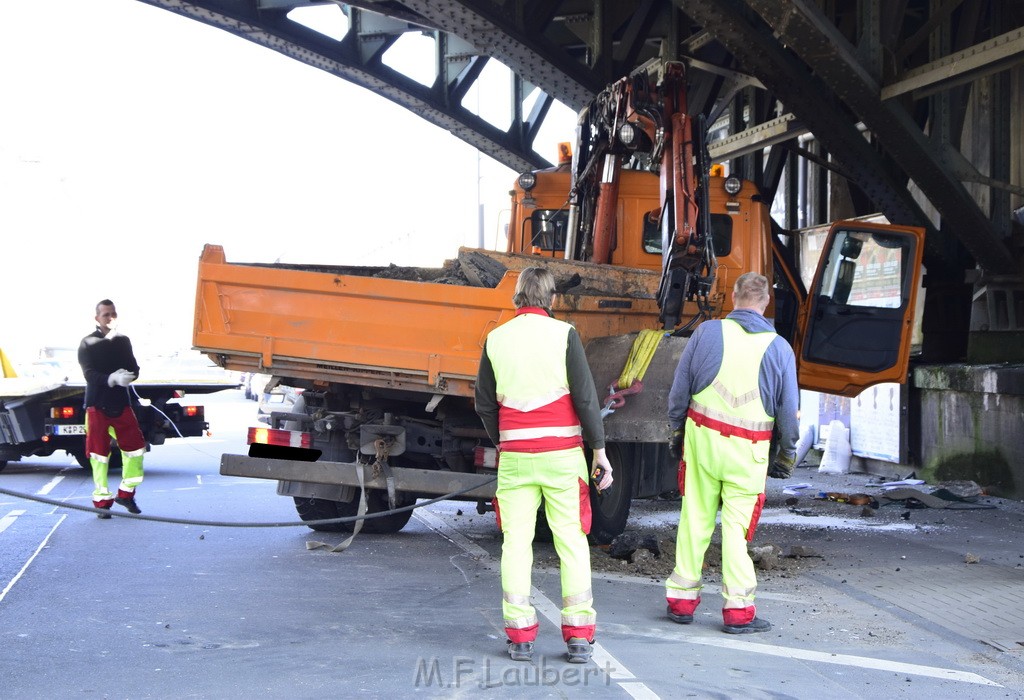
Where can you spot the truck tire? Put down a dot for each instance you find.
(376, 501)
(82, 458)
(3, 464)
(610, 510)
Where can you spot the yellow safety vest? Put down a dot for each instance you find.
(727, 418)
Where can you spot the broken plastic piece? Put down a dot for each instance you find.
(904, 482)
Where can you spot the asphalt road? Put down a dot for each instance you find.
(138, 609)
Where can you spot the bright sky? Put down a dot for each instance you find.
(131, 136)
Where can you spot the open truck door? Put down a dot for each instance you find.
(855, 324)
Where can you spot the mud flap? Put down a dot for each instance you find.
(755, 517)
(586, 515)
(681, 477)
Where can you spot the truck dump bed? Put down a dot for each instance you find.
(411, 329)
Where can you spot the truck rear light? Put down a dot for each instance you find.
(283, 438)
(62, 412)
(485, 458)
(193, 411)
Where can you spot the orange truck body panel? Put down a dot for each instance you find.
(368, 331)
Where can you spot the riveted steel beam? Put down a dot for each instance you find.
(358, 60)
(758, 51)
(810, 35)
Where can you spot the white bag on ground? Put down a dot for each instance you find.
(836, 459)
(804, 444)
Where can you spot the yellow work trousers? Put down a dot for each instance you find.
(560, 479)
(739, 490)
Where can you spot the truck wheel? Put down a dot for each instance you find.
(319, 509)
(376, 501)
(610, 509)
(82, 458)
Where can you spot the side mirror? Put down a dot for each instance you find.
(851, 247)
(844, 282)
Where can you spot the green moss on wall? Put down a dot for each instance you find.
(989, 469)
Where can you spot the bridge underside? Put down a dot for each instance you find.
(836, 108)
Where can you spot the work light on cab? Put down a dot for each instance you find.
(527, 181)
(733, 185)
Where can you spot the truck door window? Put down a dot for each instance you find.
(547, 228)
(865, 269)
(721, 233)
(652, 231)
(859, 304)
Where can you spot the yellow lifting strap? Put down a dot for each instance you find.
(639, 357)
(6, 368)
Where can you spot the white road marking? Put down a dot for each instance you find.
(199, 479)
(50, 486)
(605, 661)
(709, 589)
(8, 520)
(9, 586)
(861, 662)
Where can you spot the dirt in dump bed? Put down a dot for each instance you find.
(468, 270)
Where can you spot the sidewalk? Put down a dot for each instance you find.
(960, 568)
(901, 575)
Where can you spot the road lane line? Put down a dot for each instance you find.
(8, 520)
(50, 486)
(9, 586)
(615, 670)
(862, 662)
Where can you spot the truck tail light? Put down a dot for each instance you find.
(62, 412)
(283, 438)
(485, 458)
(193, 411)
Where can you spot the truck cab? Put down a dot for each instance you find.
(851, 331)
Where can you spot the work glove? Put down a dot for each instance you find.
(782, 467)
(602, 470)
(675, 444)
(121, 377)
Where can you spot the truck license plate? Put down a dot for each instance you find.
(69, 430)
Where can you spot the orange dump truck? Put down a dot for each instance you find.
(391, 354)
(387, 357)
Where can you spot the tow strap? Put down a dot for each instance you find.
(640, 356)
(342, 546)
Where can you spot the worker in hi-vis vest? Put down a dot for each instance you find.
(735, 384)
(536, 397)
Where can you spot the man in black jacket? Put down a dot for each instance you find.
(109, 366)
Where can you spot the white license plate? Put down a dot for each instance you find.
(69, 430)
